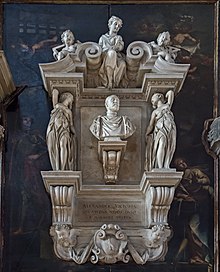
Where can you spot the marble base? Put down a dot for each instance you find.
(110, 223)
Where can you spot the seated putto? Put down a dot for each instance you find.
(69, 45)
(163, 48)
(111, 126)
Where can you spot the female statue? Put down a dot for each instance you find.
(161, 132)
(61, 138)
(113, 67)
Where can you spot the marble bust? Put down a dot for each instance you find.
(112, 126)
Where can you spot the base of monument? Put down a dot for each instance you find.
(127, 218)
(150, 267)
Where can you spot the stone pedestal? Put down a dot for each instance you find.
(110, 223)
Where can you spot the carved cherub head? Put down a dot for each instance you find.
(163, 39)
(114, 24)
(68, 38)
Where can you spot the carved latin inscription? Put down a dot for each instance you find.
(104, 211)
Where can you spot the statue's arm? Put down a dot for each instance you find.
(170, 98)
(101, 42)
(119, 44)
(72, 128)
(56, 51)
(150, 127)
(173, 51)
(55, 96)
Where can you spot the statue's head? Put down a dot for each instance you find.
(66, 98)
(112, 103)
(67, 37)
(163, 38)
(156, 98)
(114, 23)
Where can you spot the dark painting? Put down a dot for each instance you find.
(30, 31)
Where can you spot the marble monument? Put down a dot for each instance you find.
(100, 213)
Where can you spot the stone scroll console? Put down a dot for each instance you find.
(111, 138)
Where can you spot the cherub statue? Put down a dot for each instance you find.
(113, 67)
(61, 136)
(160, 133)
(111, 125)
(162, 47)
(69, 45)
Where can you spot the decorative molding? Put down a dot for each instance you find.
(145, 70)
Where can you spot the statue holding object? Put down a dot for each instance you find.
(163, 48)
(161, 132)
(69, 45)
(113, 67)
(61, 136)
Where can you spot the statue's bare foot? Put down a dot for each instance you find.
(110, 86)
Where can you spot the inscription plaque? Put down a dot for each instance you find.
(105, 211)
